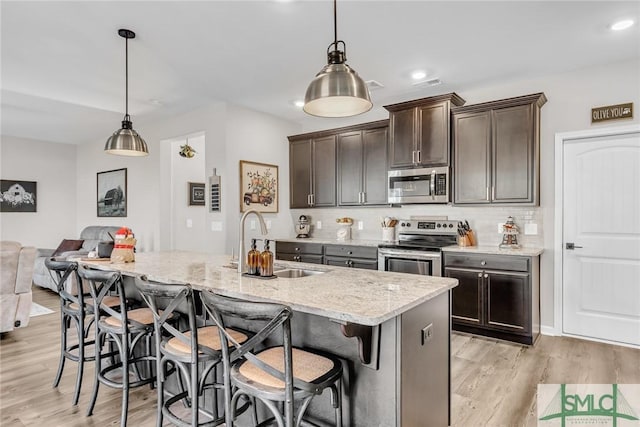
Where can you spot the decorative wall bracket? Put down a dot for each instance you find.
(368, 342)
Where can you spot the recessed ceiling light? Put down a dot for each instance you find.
(298, 103)
(622, 25)
(418, 75)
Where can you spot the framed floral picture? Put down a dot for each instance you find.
(258, 187)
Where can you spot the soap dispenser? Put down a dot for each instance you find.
(253, 259)
(266, 261)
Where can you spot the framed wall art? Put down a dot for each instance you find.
(18, 196)
(258, 187)
(196, 194)
(112, 193)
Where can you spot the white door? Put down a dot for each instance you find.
(601, 207)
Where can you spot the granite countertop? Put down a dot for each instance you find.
(320, 241)
(367, 297)
(494, 250)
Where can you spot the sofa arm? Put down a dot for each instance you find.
(25, 270)
(44, 252)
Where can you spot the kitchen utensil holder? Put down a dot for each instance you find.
(469, 239)
(388, 234)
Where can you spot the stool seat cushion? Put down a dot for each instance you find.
(140, 315)
(306, 366)
(207, 336)
(109, 301)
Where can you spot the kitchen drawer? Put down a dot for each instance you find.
(367, 264)
(351, 251)
(310, 259)
(487, 262)
(299, 247)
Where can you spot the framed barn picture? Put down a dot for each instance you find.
(112, 193)
(18, 196)
(258, 187)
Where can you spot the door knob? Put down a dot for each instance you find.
(571, 246)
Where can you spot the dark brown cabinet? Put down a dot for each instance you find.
(496, 151)
(312, 172)
(302, 252)
(419, 131)
(351, 256)
(362, 167)
(496, 296)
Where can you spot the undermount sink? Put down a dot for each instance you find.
(293, 273)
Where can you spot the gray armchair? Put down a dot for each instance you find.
(91, 235)
(16, 268)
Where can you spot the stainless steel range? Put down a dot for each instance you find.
(419, 247)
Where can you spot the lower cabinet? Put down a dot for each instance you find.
(496, 296)
(339, 255)
(301, 252)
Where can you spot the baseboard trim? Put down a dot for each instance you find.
(549, 330)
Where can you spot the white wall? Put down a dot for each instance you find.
(53, 167)
(262, 138)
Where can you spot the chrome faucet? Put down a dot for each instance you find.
(242, 262)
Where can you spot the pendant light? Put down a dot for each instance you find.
(337, 90)
(126, 141)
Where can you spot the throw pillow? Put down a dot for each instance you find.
(68, 245)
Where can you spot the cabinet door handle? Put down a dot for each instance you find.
(413, 157)
(487, 196)
(364, 197)
(479, 275)
(309, 199)
(486, 276)
(419, 156)
(483, 262)
(493, 192)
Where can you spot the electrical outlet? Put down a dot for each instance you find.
(500, 227)
(427, 334)
(268, 224)
(360, 225)
(318, 225)
(189, 223)
(216, 225)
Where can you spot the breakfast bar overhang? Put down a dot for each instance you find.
(392, 328)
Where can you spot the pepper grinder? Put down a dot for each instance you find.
(266, 261)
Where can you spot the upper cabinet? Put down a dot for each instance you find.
(419, 131)
(362, 166)
(312, 172)
(345, 166)
(496, 151)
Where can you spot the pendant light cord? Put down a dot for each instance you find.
(126, 78)
(335, 23)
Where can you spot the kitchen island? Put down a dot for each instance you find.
(392, 328)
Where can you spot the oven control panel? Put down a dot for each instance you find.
(427, 227)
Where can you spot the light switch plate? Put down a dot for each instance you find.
(500, 229)
(360, 225)
(531, 229)
(216, 225)
(252, 224)
(189, 223)
(318, 225)
(268, 224)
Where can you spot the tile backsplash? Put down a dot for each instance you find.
(483, 220)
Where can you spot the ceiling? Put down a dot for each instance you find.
(63, 62)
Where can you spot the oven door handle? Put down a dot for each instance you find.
(408, 254)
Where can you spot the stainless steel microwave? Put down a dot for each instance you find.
(424, 185)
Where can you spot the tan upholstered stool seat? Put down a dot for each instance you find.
(140, 315)
(109, 301)
(306, 366)
(207, 336)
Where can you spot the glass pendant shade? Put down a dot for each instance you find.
(337, 91)
(126, 142)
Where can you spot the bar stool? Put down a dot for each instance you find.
(74, 310)
(278, 374)
(126, 329)
(195, 352)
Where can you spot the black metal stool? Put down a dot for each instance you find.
(274, 375)
(126, 329)
(74, 310)
(195, 353)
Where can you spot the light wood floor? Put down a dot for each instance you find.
(493, 383)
